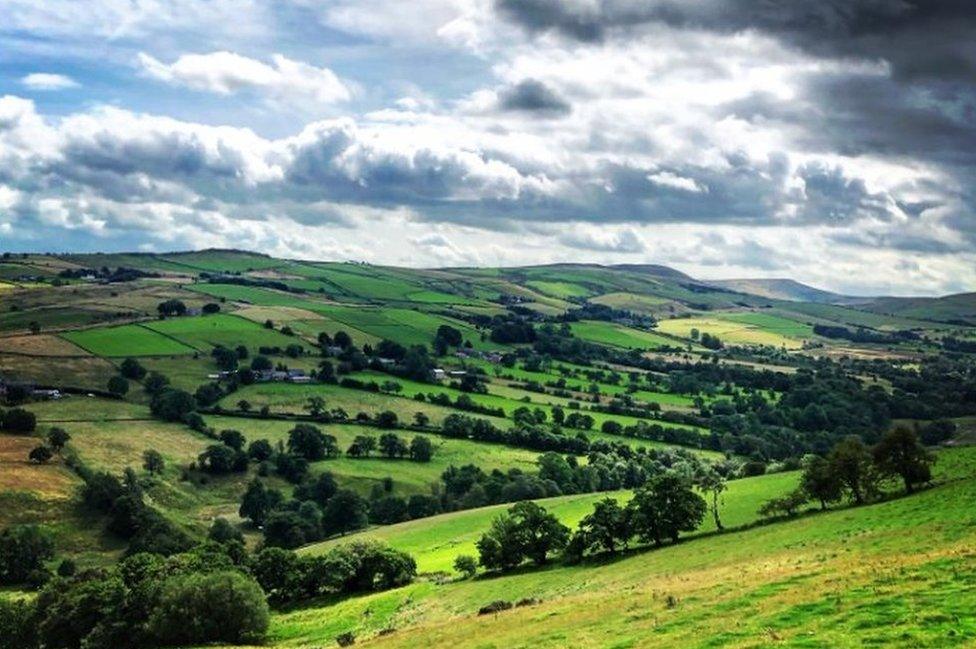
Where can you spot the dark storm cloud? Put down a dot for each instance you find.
(926, 38)
(533, 96)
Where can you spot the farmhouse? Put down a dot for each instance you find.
(438, 374)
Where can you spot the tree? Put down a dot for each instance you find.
(386, 419)
(199, 608)
(153, 462)
(526, 531)
(220, 458)
(244, 405)
(261, 364)
(900, 454)
(850, 460)
(258, 501)
(223, 531)
(342, 339)
(171, 307)
(208, 394)
(23, 550)
(712, 483)
(392, 445)
(421, 449)
(607, 527)
(466, 565)
(155, 383)
(118, 386)
(132, 369)
(232, 438)
(361, 446)
(344, 512)
(225, 358)
(820, 483)
(57, 437)
(420, 419)
(785, 505)
(210, 308)
(260, 450)
(315, 406)
(40, 454)
(307, 441)
(172, 404)
(318, 490)
(665, 507)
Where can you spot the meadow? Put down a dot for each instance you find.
(206, 332)
(747, 328)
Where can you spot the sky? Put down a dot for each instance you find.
(832, 142)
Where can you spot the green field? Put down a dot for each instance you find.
(126, 340)
(561, 290)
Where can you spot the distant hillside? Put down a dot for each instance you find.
(786, 289)
(959, 308)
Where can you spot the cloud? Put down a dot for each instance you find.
(227, 73)
(600, 240)
(48, 81)
(533, 96)
(674, 181)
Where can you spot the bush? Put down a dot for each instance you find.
(132, 369)
(218, 607)
(18, 420)
(497, 606)
(23, 550)
(18, 629)
(466, 565)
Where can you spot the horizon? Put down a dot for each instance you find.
(831, 145)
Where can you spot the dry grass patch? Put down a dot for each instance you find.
(277, 314)
(52, 481)
(40, 345)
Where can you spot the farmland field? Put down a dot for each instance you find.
(205, 332)
(620, 336)
(742, 329)
(126, 340)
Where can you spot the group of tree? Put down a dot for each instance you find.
(214, 592)
(55, 441)
(857, 471)
(659, 511)
(17, 421)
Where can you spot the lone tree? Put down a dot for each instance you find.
(56, 438)
(153, 462)
(899, 453)
(712, 483)
(315, 406)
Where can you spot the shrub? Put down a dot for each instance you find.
(466, 565)
(495, 607)
(218, 607)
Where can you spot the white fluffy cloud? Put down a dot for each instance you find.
(227, 73)
(48, 81)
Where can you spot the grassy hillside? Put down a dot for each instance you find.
(891, 574)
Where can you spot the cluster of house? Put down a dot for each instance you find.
(491, 357)
(269, 376)
(440, 374)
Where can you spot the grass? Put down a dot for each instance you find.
(893, 574)
(616, 335)
(561, 290)
(126, 340)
